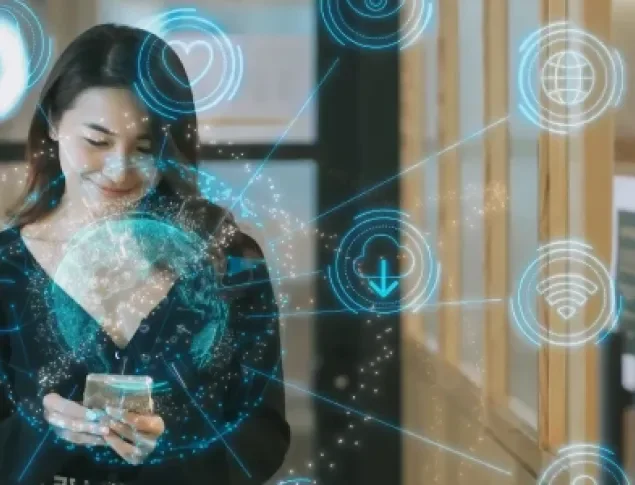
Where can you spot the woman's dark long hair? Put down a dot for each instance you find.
(106, 56)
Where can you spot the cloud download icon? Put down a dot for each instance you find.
(377, 256)
(382, 288)
(382, 277)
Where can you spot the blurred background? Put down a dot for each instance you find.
(453, 394)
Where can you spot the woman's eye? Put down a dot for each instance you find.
(96, 143)
(145, 150)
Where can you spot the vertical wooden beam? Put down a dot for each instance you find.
(553, 225)
(448, 235)
(449, 181)
(598, 164)
(411, 95)
(412, 126)
(496, 85)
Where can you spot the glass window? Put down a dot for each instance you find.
(277, 44)
(472, 178)
(524, 17)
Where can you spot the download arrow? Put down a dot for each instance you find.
(383, 290)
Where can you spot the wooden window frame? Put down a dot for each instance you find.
(560, 413)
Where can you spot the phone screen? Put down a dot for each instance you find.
(132, 393)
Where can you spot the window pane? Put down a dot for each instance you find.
(524, 17)
(472, 177)
(278, 47)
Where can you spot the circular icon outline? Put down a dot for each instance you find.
(231, 56)
(411, 27)
(29, 54)
(609, 59)
(524, 298)
(583, 455)
(343, 284)
(38, 34)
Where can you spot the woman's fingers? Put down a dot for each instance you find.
(151, 425)
(143, 441)
(130, 453)
(75, 425)
(79, 438)
(55, 403)
(142, 431)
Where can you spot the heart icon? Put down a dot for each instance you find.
(187, 48)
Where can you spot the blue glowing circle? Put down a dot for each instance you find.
(25, 54)
(565, 275)
(376, 5)
(580, 464)
(577, 85)
(380, 288)
(163, 237)
(213, 41)
(415, 18)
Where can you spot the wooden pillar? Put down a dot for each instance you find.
(598, 165)
(496, 172)
(553, 225)
(412, 90)
(449, 182)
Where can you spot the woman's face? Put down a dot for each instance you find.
(105, 149)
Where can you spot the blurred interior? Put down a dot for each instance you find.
(348, 139)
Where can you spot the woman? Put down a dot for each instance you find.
(112, 265)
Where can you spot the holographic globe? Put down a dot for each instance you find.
(110, 260)
(568, 78)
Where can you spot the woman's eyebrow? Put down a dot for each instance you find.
(106, 131)
(102, 129)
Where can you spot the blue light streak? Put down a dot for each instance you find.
(383, 423)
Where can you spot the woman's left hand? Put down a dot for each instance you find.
(141, 432)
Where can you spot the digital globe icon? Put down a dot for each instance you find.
(568, 78)
(112, 257)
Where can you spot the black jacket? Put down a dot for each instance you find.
(225, 421)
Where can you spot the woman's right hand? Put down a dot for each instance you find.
(73, 422)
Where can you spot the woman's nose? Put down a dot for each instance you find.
(116, 167)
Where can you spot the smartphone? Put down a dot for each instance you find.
(132, 393)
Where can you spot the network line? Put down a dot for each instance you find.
(281, 138)
(383, 422)
(391, 178)
(422, 308)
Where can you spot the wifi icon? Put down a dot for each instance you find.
(567, 293)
